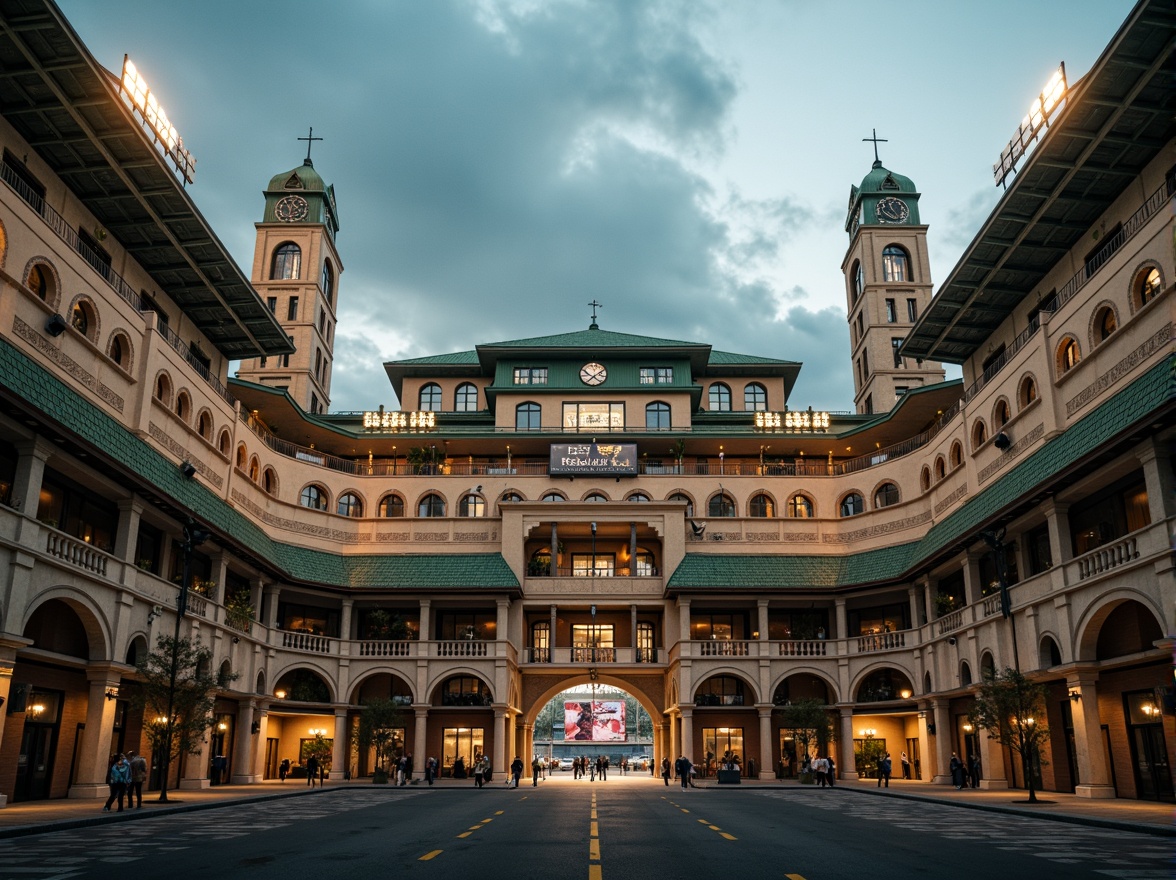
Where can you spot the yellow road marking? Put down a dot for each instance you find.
(794, 877)
(499, 812)
(594, 849)
(713, 827)
(592, 814)
(475, 827)
(484, 821)
(465, 834)
(684, 810)
(429, 855)
(728, 836)
(593, 829)
(704, 822)
(594, 872)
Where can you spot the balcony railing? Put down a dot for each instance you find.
(803, 648)
(725, 648)
(308, 642)
(1107, 557)
(385, 648)
(991, 371)
(78, 553)
(462, 648)
(950, 621)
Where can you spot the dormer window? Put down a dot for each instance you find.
(530, 375)
(889, 182)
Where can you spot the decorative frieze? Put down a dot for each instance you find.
(874, 531)
(430, 537)
(1122, 369)
(160, 436)
(67, 364)
(294, 525)
(951, 499)
(1009, 455)
(472, 536)
(393, 537)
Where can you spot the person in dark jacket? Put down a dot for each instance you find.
(516, 770)
(974, 771)
(884, 768)
(312, 769)
(956, 766)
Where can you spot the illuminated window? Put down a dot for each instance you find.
(800, 507)
(1068, 355)
(761, 506)
(895, 264)
(1028, 392)
(1148, 286)
(1000, 415)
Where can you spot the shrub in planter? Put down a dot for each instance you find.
(380, 777)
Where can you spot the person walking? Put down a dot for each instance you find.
(974, 771)
(820, 769)
(312, 768)
(682, 766)
(138, 777)
(535, 771)
(884, 767)
(283, 769)
(479, 772)
(407, 769)
(430, 769)
(119, 777)
(956, 766)
(906, 765)
(516, 770)
(830, 770)
(665, 770)
(604, 762)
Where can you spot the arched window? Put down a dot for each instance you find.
(82, 318)
(678, 496)
(225, 443)
(720, 398)
(859, 281)
(1028, 392)
(527, 417)
(979, 434)
(886, 495)
(638, 497)
(204, 425)
(1000, 413)
(721, 505)
(163, 392)
(349, 505)
(553, 496)
(39, 281)
(1148, 285)
(430, 398)
(314, 497)
(431, 505)
(896, 265)
(657, 416)
(940, 468)
(755, 397)
(391, 506)
(595, 498)
(269, 481)
(327, 281)
(761, 505)
(287, 265)
(255, 469)
(510, 497)
(1104, 324)
(925, 478)
(852, 504)
(471, 505)
(120, 351)
(466, 398)
(1068, 355)
(242, 456)
(956, 455)
(183, 406)
(800, 507)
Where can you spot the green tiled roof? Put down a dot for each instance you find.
(30, 381)
(593, 338)
(1153, 389)
(730, 358)
(456, 357)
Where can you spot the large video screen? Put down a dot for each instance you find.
(595, 720)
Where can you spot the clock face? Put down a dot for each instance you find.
(593, 374)
(892, 210)
(291, 209)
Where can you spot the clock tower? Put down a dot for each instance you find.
(888, 285)
(296, 271)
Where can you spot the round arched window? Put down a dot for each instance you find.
(313, 497)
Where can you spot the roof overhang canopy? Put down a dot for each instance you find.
(66, 106)
(1115, 121)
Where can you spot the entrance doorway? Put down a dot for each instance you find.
(595, 721)
(38, 746)
(1149, 753)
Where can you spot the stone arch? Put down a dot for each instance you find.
(224, 443)
(644, 699)
(1026, 391)
(679, 494)
(120, 350)
(881, 682)
(183, 405)
(956, 454)
(259, 683)
(925, 478)
(752, 695)
(204, 424)
(1104, 321)
(83, 317)
(137, 649)
(92, 619)
(46, 285)
(1140, 284)
(831, 689)
(588, 495)
(1091, 625)
(370, 679)
(1002, 412)
(771, 509)
(940, 468)
(289, 675)
(927, 683)
(433, 689)
(161, 389)
(965, 674)
(270, 482)
(1067, 355)
(254, 468)
(987, 664)
(979, 434)
(1049, 651)
(224, 674)
(242, 456)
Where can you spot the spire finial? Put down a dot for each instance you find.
(595, 305)
(877, 140)
(310, 139)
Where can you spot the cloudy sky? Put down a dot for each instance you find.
(499, 164)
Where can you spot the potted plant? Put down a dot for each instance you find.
(239, 611)
(945, 604)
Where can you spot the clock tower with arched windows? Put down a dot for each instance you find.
(296, 271)
(887, 285)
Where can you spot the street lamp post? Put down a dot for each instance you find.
(593, 549)
(193, 538)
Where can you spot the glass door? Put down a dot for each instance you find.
(34, 764)
(1149, 754)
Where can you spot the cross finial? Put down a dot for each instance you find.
(310, 139)
(595, 305)
(877, 140)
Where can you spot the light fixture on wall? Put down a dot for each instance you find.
(280, 693)
(1075, 695)
(1002, 441)
(968, 728)
(154, 614)
(187, 470)
(318, 731)
(905, 693)
(112, 692)
(56, 325)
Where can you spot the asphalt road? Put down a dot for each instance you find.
(623, 829)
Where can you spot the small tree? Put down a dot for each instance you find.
(1011, 708)
(378, 722)
(811, 725)
(177, 674)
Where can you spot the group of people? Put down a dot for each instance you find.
(823, 768)
(964, 775)
(585, 766)
(125, 776)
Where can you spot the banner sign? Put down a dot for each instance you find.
(593, 458)
(595, 720)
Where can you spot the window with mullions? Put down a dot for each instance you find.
(589, 565)
(465, 690)
(720, 690)
(718, 626)
(313, 497)
(646, 643)
(87, 516)
(466, 399)
(593, 643)
(896, 265)
(391, 506)
(657, 416)
(723, 745)
(472, 505)
(527, 417)
(721, 505)
(541, 641)
(466, 743)
(430, 398)
(719, 397)
(287, 264)
(431, 505)
(852, 504)
(349, 505)
(530, 375)
(755, 397)
(594, 416)
(761, 506)
(656, 375)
